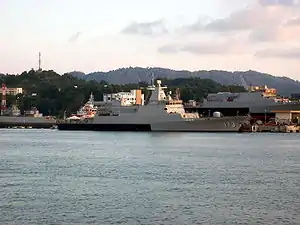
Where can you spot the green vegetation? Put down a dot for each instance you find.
(53, 94)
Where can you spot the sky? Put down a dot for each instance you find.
(99, 35)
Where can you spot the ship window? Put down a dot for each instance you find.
(165, 109)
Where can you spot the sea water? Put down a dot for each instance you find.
(62, 177)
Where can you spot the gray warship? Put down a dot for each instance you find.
(162, 113)
(31, 119)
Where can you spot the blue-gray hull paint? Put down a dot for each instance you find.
(129, 128)
(34, 122)
(104, 127)
(224, 124)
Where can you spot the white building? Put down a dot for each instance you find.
(286, 116)
(134, 97)
(12, 91)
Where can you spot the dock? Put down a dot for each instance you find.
(276, 129)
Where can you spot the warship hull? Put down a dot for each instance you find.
(21, 121)
(223, 124)
(104, 127)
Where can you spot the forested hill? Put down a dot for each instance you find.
(284, 85)
(57, 93)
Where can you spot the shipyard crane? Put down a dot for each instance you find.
(244, 83)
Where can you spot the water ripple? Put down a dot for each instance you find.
(51, 177)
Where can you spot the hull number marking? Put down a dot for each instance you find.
(227, 124)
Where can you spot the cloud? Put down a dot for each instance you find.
(293, 22)
(229, 46)
(275, 34)
(292, 53)
(265, 21)
(156, 27)
(279, 2)
(169, 48)
(258, 24)
(74, 38)
(249, 18)
(241, 20)
(258, 19)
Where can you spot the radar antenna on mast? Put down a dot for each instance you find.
(152, 79)
(177, 95)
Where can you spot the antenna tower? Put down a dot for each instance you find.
(40, 61)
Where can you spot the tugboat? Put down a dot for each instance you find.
(88, 110)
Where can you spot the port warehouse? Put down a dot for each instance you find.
(268, 115)
(280, 113)
(259, 105)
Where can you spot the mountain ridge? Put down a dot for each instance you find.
(285, 85)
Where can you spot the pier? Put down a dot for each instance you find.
(276, 129)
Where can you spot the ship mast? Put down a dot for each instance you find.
(177, 95)
(152, 80)
(91, 99)
(157, 93)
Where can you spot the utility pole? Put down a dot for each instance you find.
(3, 101)
(265, 116)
